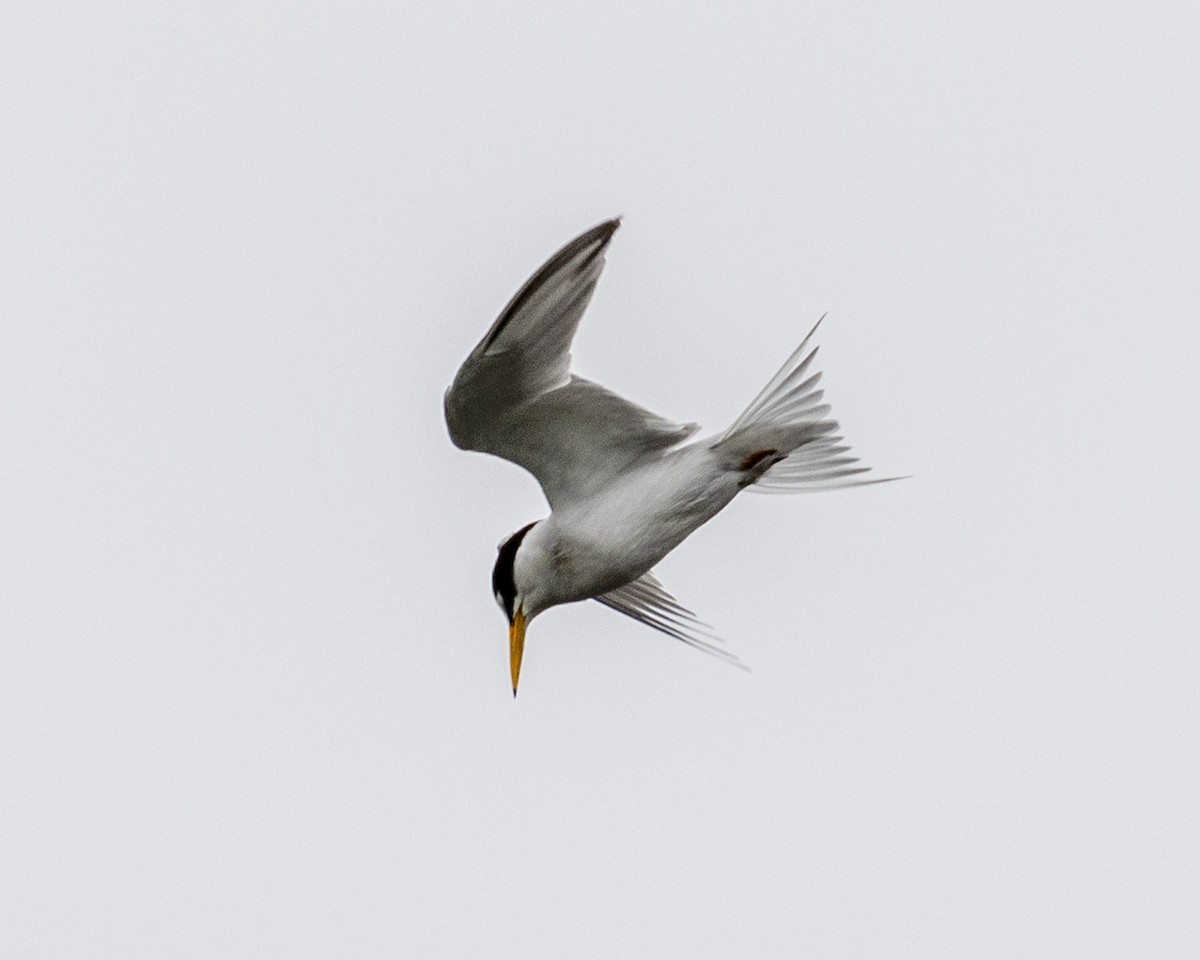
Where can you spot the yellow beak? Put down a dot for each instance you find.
(516, 646)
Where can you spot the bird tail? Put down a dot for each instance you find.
(785, 441)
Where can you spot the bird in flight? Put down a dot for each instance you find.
(625, 486)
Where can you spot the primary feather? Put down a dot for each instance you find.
(516, 398)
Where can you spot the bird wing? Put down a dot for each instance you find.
(515, 396)
(647, 601)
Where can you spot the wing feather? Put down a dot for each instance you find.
(515, 396)
(648, 602)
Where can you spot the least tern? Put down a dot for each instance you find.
(625, 487)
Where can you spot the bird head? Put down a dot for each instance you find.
(513, 600)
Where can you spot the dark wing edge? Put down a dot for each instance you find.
(501, 374)
(598, 236)
(648, 602)
(515, 396)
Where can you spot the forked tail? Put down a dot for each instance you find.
(785, 442)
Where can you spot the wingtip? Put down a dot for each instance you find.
(609, 227)
(594, 240)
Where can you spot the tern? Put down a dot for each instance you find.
(625, 486)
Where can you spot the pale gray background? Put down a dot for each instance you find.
(253, 684)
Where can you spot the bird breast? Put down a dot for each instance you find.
(615, 536)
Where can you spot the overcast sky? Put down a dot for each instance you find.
(254, 693)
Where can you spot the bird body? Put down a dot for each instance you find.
(625, 486)
(615, 535)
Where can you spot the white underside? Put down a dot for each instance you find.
(600, 543)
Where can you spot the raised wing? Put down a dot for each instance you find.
(647, 601)
(515, 396)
